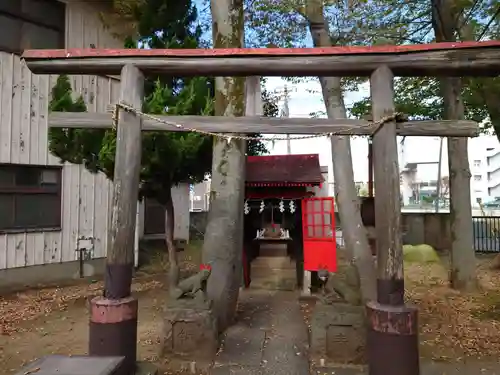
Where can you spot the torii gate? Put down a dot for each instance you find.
(393, 325)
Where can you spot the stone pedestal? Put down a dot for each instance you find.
(338, 333)
(190, 336)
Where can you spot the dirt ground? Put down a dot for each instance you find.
(61, 326)
(46, 321)
(454, 326)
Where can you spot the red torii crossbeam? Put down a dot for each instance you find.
(435, 59)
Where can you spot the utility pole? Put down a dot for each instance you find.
(284, 93)
(438, 184)
(285, 113)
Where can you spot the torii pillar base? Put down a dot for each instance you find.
(392, 342)
(113, 330)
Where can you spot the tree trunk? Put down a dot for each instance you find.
(487, 88)
(173, 272)
(223, 244)
(352, 227)
(463, 262)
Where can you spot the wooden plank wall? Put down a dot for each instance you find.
(24, 99)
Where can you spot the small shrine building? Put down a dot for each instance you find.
(289, 221)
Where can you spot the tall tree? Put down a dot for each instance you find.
(430, 98)
(403, 22)
(463, 262)
(223, 244)
(352, 228)
(168, 158)
(289, 24)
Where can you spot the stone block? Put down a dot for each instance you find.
(273, 250)
(281, 262)
(189, 334)
(273, 279)
(74, 365)
(338, 333)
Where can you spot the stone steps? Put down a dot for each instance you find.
(273, 250)
(273, 273)
(275, 282)
(261, 272)
(273, 262)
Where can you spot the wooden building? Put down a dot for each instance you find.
(54, 216)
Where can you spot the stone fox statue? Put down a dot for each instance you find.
(344, 283)
(194, 287)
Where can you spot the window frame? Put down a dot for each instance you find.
(19, 190)
(38, 22)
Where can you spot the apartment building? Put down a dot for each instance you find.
(485, 171)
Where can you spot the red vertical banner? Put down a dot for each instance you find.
(318, 227)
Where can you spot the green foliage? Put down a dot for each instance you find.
(382, 22)
(168, 158)
(73, 145)
(419, 254)
(420, 97)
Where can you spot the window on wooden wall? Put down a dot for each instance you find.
(30, 197)
(31, 24)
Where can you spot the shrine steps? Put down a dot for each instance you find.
(273, 273)
(273, 262)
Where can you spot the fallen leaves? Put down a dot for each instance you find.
(32, 304)
(452, 324)
(307, 309)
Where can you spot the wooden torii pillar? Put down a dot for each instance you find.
(389, 314)
(113, 316)
(393, 341)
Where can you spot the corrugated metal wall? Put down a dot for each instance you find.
(180, 196)
(24, 101)
(154, 216)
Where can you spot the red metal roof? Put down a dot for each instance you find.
(391, 49)
(275, 170)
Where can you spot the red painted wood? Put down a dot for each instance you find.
(319, 247)
(278, 184)
(285, 194)
(357, 50)
(320, 256)
(283, 170)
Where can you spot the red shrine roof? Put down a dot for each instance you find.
(283, 170)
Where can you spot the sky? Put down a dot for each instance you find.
(306, 98)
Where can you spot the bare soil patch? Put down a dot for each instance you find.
(35, 323)
(454, 326)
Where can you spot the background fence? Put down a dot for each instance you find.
(486, 230)
(429, 228)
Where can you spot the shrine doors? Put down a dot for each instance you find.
(318, 227)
